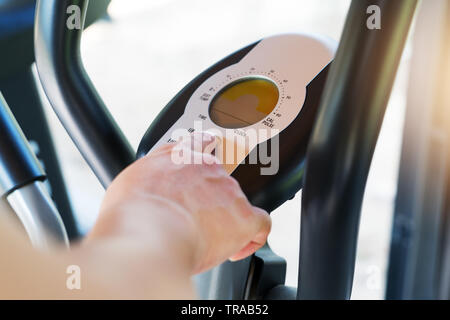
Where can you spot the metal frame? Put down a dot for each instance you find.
(16, 77)
(29, 112)
(21, 184)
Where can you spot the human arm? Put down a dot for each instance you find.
(159, 224)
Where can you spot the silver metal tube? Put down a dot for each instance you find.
(39, 216)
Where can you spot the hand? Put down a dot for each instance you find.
(198, 205)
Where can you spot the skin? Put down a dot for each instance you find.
(159, 224)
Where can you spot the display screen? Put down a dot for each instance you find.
(244, 103)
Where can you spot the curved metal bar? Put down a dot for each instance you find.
(71, 93)
(343, 143)
(21, 183)
(39, 216)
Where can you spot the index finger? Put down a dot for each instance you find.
(203, 142)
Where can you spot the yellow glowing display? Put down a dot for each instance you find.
(244, 103)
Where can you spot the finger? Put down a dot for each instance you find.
(196, 149)
(203, 142)
(164, 149)
(247, 251)
(264, 226)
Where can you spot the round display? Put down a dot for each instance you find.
(244, 103)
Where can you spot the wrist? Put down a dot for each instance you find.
(161, 227)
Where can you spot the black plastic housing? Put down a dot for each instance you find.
(264, 191)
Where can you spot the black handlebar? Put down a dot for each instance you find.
(343, 143)
(71, 93)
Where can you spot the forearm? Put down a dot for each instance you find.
(152, 246)
(160, 222)
(146, 258)
(123, 268)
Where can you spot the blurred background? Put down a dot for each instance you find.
(146, 51)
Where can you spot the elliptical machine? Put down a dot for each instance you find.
(332, 156)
